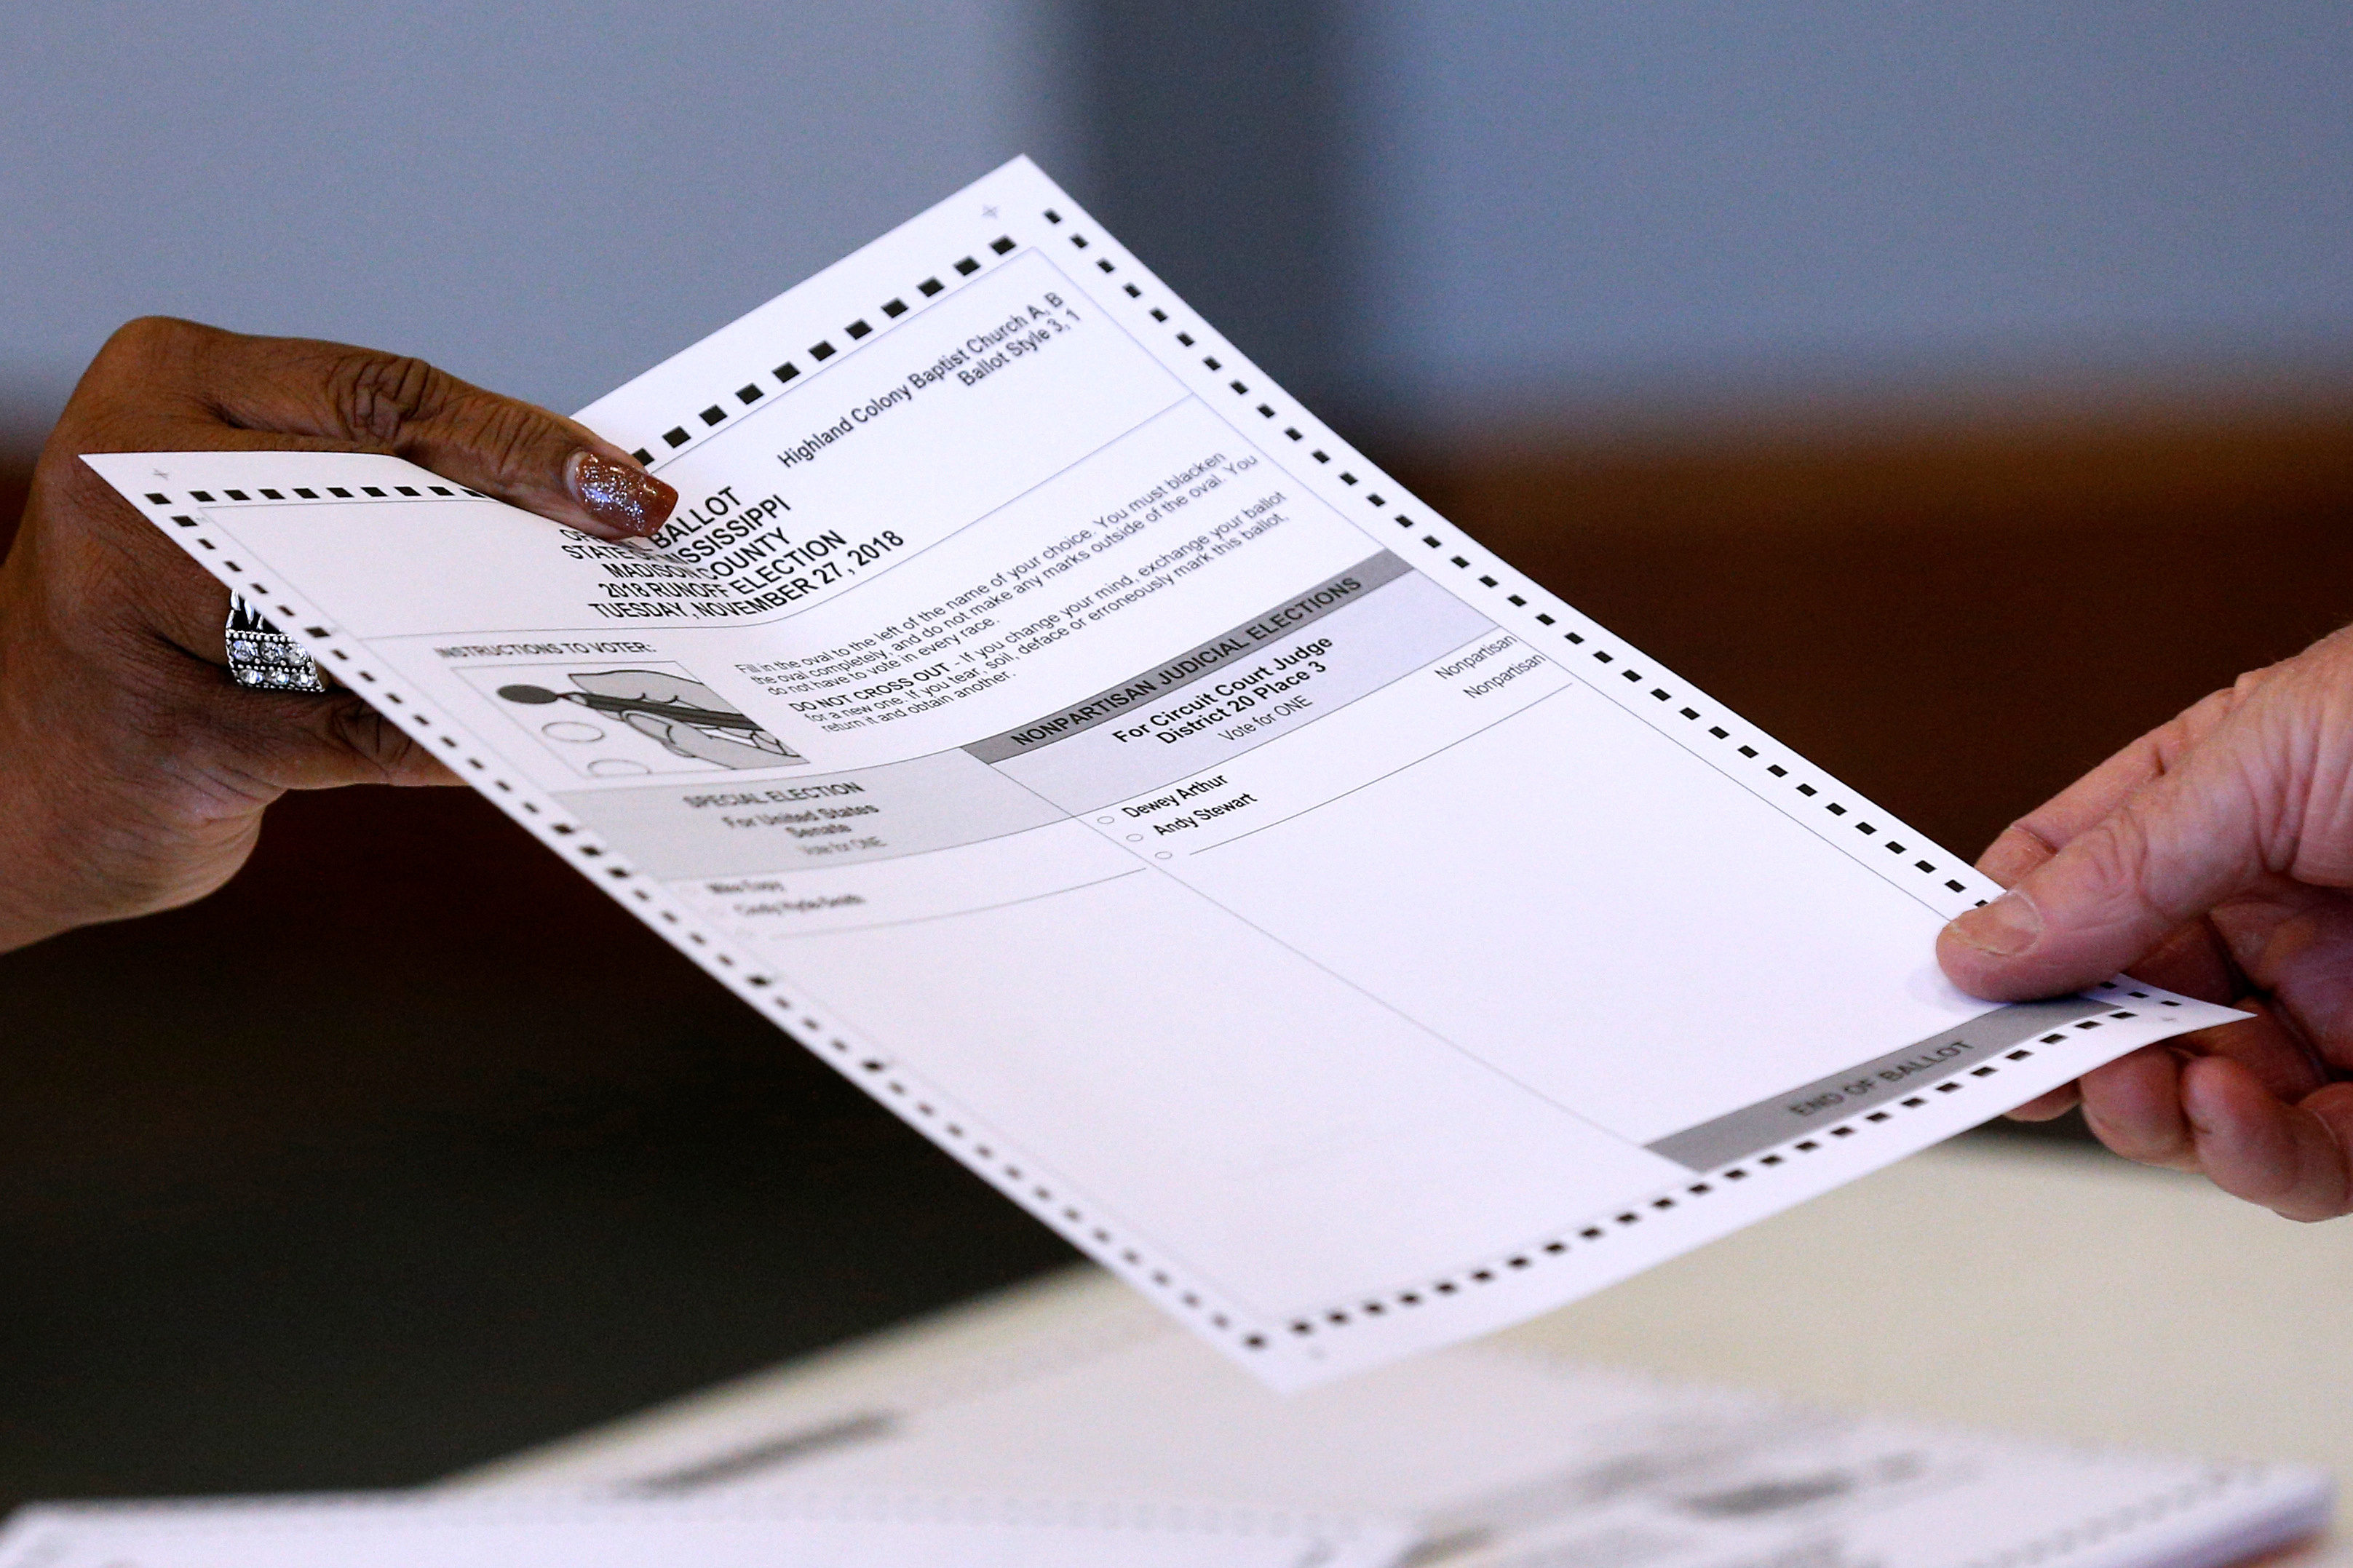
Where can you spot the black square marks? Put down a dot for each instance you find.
(642, 456)
(929, 287)
(159, 501)
(1001, 244)
(967, 267)
(894, 308)
(786, 370)
(822, 351)
(714, 415)
(748, 396)
(675, 435)
(857, 329)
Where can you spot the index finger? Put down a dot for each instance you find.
(2163, 858)
(366, 400)
(2050, 827)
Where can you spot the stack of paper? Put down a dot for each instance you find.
(1068, 1424)
(756, 1533)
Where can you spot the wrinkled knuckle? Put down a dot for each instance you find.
(2016, 852)
(184, 772)
(2172, 740)
(2114, 857)
(382, 397)
(2024, 834)
(507, 437)
(369, 739)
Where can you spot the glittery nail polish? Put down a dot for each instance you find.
(624, 498)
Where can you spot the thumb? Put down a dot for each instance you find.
(2164, 856)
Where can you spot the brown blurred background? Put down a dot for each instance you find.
(407, 1149)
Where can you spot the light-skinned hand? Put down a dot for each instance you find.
(2213, 857)
(132, 772)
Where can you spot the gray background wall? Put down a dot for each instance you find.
(1448, 205)
(1627, 204)
(548, 198)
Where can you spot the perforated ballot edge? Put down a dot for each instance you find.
(1742, 1167)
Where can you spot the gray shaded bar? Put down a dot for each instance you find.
(1368, 643)
(1204, 658)
(1867, 1085)
(732, 830)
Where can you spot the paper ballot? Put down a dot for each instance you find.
(1042, 716)
(831, 1532)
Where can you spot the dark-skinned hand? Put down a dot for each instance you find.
(133, 772)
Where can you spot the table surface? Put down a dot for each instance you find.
(2038, 1290)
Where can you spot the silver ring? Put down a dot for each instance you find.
(263, 658)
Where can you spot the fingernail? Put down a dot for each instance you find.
(622, 496)
(2005, 928)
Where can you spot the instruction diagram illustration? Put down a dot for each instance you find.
(649, 717)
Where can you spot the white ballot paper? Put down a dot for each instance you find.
(1492, 1456)
(832, 1531)
(1052, 724)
